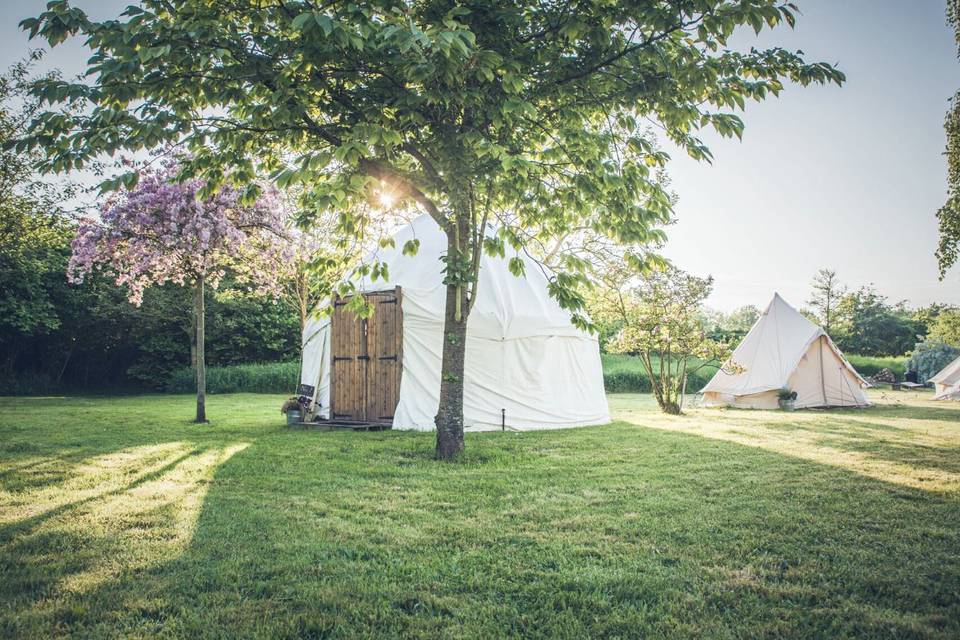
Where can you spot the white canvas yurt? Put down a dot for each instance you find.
(946, 384)
(785, 350)
(527, 366)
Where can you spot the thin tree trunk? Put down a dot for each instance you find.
(193, 336)
(201, 358)
(63, 369)
(449, 419)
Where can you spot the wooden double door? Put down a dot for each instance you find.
(366, 359)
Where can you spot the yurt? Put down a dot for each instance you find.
(527, 366)
(785, 350)
(946, 384)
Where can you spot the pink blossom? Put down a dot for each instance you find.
(162, 232)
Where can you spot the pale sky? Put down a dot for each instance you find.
(842, 177)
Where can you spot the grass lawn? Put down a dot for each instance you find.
(118, 518)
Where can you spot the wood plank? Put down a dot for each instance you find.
(367, 359)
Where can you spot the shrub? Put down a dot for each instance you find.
(930, 357)
(28, 384)
(276, 377)
(872, 365)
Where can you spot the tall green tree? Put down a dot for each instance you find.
(867, 324)
(825, 295)
(945, 327)
(34, 230)
(527, 114)
(949, 214)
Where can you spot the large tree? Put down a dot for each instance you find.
(528, 114)
(866, 324)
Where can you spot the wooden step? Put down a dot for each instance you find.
(349, 425)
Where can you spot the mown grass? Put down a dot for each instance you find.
(118, 518)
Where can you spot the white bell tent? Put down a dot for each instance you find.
(946, 384)
(785, 350)
(526, 365)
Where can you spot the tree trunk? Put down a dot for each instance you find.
(449, 418)
(201, 358)
(193, 336)
(670, 408)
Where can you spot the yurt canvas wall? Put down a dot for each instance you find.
(526, 364)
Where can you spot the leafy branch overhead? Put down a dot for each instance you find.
(537, 110)
(949, 214)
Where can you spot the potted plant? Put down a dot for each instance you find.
(785, 398)
(293, 410)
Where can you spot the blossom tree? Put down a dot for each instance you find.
(163, 231)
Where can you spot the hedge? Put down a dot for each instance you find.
(871, 365)
(275, 377)
(621, 374)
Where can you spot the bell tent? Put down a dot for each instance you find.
(785, 350)
(527, 367)
(946, 384)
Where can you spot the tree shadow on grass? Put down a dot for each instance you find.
(594, 532)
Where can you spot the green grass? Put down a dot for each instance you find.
(118, 518)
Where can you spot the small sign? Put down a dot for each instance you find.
(305, 390)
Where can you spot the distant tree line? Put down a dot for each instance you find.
(864, 322)
(860, 321)
(60, 336)
(56, 336)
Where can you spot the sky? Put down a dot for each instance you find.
(847, 178)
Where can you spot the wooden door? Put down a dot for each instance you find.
(348, 393)
(367, 359)
(384, 346)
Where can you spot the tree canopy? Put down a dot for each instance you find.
(523, 107)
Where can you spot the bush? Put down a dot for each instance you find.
(28, 384)
(276, 377)
(626, 382)
(872, 365)
(929, 358)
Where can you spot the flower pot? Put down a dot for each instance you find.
(293, 417)
(786, 405)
